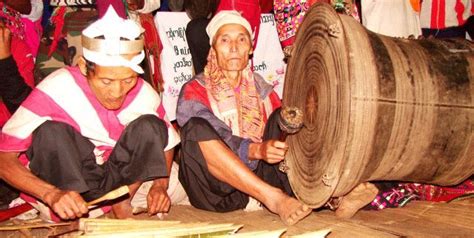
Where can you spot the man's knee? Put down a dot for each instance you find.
(148, 125)
(53, 126)
(197, 124)
(51, 131)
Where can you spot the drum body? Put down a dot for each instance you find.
(376, 108)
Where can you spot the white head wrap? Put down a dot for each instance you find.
(226, 17)
(107, 39)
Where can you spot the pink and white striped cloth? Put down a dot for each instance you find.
(65, 96)
(441, 14)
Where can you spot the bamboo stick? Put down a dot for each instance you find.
(182, 230)
(31, 226)
(110, 195)
(257, 234)
(93, 225)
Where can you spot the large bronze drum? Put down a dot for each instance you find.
(376, 108)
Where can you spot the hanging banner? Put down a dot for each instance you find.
(268, 56)
(176, 62)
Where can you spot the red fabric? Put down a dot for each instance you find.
(442, 14)
(23, 56)
(275, 100)
(103, 5)
(153, 48)
(33, 31)
(24, 60)
(249, 9)
(266, 6)
(58, 21)
(460, 8)
(14, 211)
(196, 92)
(4, 114)
(445, 194)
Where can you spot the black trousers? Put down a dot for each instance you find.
(64, 158)
(204, 190)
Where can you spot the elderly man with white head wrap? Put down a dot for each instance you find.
(230, 153)
(87, 130)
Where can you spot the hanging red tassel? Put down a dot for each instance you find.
(58, 21)
(153, 48)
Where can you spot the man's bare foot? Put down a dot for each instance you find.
(356, 199)
(290, 210)
(122, 209)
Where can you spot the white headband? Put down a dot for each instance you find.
(226, 17)
(106, 40)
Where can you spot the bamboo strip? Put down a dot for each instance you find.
(31, 226)
(257, 234)
(314, 234)
(97, 227)
(110, 195)
(199, 229)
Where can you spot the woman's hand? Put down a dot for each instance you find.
(271, 151)
(157, 199)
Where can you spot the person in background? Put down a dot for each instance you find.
(445, 18)
(19, 45)
(396, 18)
(200, 12)
(87, 130)
(290, 14)
(13, 88)
(33, 27)
(61, 41)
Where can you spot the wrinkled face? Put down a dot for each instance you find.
(233, 47)
(111, 84)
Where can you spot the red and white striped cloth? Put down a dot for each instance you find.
(65, 96)
(441, 14)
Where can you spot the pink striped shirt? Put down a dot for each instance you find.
(65, 96)
(441, 14)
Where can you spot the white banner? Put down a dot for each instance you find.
(268, 56)
(176, 63)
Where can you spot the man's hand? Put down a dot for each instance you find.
(271, 151)
(5, 41)
(157, 198)
(67, 204)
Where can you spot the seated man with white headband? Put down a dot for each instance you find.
(87, 130)
(230, 149)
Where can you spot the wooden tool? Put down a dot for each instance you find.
(290, 122)
(110, 195)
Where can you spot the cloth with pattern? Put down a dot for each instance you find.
(392, 195)
(289, 15)
(240, 110)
